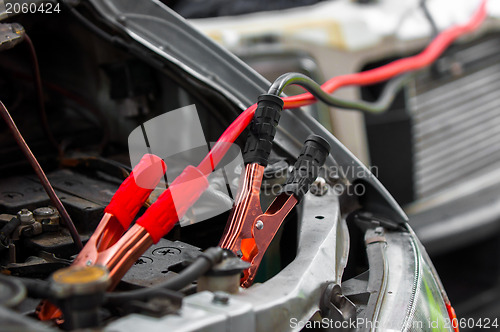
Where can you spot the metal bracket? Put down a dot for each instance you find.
(337, 307)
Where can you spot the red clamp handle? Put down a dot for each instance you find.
(136, 188)
(161, 217)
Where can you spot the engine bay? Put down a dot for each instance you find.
(149, 178)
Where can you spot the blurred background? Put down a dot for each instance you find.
(437, 149)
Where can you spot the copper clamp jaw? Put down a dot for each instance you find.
(249, 231)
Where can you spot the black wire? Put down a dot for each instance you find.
(36, 288)
(380, 106)
(7, 231)
(201, 265)
(428, 16)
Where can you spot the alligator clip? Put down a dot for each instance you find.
(157, 221)
(249, 231)
(118, 215)
(117, 250)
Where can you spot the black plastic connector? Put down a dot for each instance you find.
(311, 158)
(262, 130)
(7, 231)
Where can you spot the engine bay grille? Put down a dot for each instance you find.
(456, 118)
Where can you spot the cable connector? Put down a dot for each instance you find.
(263, 129)
(306, 169)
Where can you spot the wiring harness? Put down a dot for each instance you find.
(430, 54)
(168, 212)
(315, 89)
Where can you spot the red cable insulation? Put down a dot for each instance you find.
(380, 74)
(160, 223)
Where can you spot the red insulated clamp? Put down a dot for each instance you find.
(136, 188)
(161, 217)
